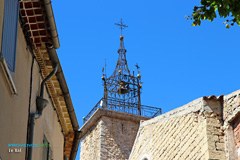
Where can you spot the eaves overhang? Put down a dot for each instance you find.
(38, 23)
(39, 19)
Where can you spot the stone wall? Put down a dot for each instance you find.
(190, 132)
(117, 138)
(206, 128)
(231, 119)
(236, 135)
(90, 143)
(109, 135)
(215, 136)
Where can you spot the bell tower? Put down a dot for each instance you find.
(109, 130)
(122, 89)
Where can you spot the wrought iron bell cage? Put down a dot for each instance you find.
(122, 90)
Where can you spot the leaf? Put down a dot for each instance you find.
(195, 9)
(199, 22)
(208, 9)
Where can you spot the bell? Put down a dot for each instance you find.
(122, 89)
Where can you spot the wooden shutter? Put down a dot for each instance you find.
(10, 31)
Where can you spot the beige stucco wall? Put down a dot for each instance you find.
(189, 132)
(14, 109)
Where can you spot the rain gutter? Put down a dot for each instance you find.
(60, 76)
(54, 58)
(52, 23)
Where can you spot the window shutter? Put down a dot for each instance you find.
(10, 31)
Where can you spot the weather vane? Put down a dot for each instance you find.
(121, 25)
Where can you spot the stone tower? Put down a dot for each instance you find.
(110, 128)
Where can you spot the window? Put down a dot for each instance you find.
(10, 29)
(47, 152)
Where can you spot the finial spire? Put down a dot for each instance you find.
(121, 25)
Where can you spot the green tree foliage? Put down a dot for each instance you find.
(209, 8)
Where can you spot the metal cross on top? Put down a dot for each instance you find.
(121, 25)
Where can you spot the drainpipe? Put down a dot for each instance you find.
(75, 145)
(65, 157)
(41, 104)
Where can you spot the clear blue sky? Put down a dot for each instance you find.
(179, 63)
